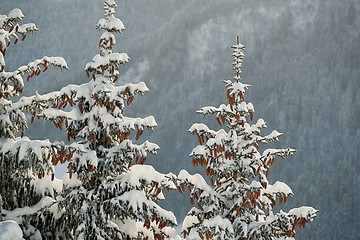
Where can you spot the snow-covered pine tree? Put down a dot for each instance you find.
(25, 172)
(108, 192)
(240, 202)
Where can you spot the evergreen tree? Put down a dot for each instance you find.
(240, 202)
(108, 192)
(26, 191)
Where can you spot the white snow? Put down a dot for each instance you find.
(282, 187)
(10, 230)
(261, 123)
(132, 228)
(219, 138)
(56, 61)
(255, 129)
(199, 150)
(72, 182)
(27, 27)
(2, 62)
(189, 221)
(45, 185)
(238, 87)
(280, 152)
(135, 200)
(195, 179)
(3, 19)
(107, 36)
(115, 24)
(140, 173)
(238, 47)
(16, 14)
(275, 135)
(17, 213)
(138, 87)
(26, 147)
(255, 184)
(113, 58)
(171, 232)
(111, 3)
(219, 222)
(149, 147)
(111, 24)
(303, 212)
(199, 128)
(211, 109)
(243, 107)
(250, 107)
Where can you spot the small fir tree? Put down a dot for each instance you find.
(240, 202)
(108, 193)
(25, 194)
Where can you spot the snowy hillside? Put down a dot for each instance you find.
(302, 60)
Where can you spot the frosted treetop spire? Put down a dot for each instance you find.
(110, 23)
(106, 63)
(238, 54)
(109, 7)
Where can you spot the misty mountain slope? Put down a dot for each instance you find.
(302, 60)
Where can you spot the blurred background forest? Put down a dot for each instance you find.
(302, 60)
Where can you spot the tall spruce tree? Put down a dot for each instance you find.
(240, 202)
(26, 191)
(108, 192)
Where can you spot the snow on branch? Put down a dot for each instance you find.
(139, 123)
(2, 61)
(214, 227)
(278, 189)
(10, 29)
(109, 95)
(308, 213)
(27, 28)
(236, 87)
(196, 180)
(219, 227)
(48, 185)
(208, 110)
(190, 221)
(34, 68)
(111, 24)
(15, 15)
(200, 128)
(37, 156)
(148, 147)
(270, 152)
(99, 63)
(135, 202)
(260, 123)
(138, 174)
(12, 83)
(93, 93)
(273, 136)
(107, 40)
(18, 213)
